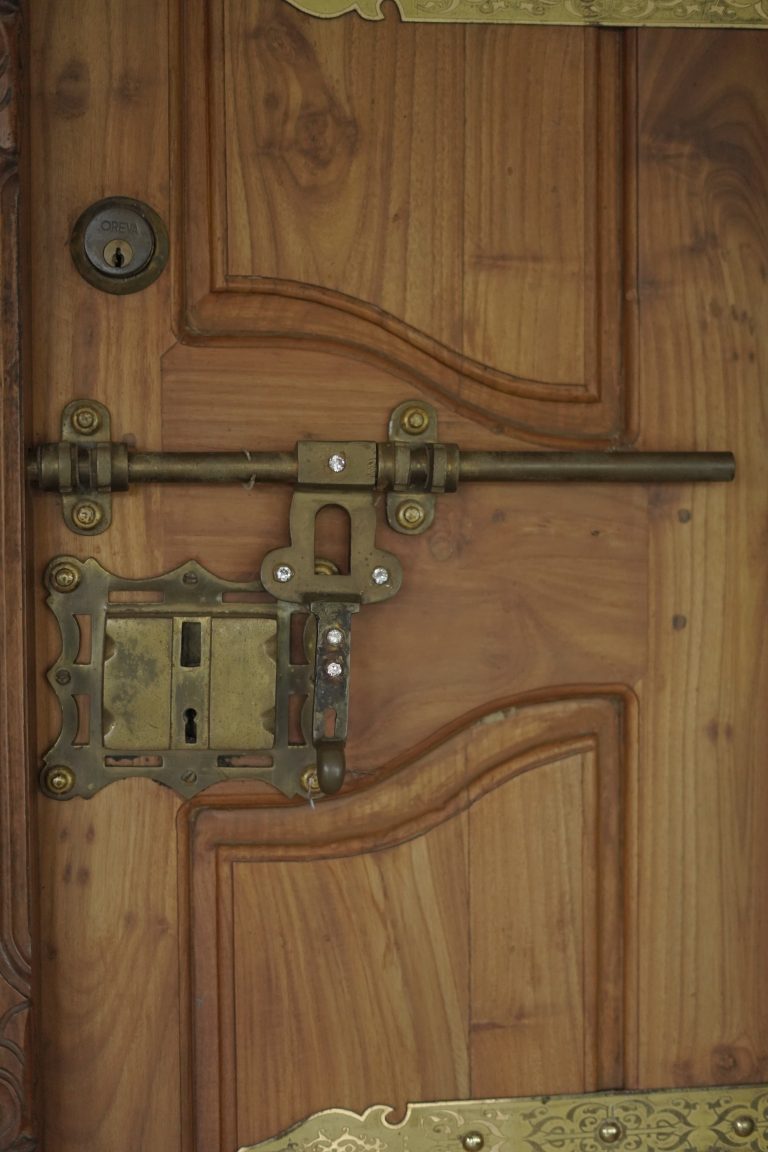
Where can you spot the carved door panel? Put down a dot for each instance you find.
(546, 871)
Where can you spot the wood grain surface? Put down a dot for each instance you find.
(703, 285)
(546, 871)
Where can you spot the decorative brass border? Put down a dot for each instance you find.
(596, 13)
(681, 1120)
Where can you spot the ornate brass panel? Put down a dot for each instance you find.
(680, 1120)
(596, 13)
(173, 678)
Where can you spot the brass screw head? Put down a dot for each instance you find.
(87, 515)
(86, 420)
(609, 1131)
(308, 780)
(60, 779)
(414, 420)
(410, 515)
(743, 1125)
(63, 676)
(472, 1141)
(65, 578)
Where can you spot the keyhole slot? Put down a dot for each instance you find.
(190, 726)
(118, 254)
(191, 643)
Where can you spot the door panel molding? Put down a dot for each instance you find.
(410, 832)
(279, 245)
(16, 873)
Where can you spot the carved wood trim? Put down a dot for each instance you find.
(17, 1124)
(424, 789)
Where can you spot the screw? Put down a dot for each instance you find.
(334, 669)
(309, 781)
(87, 515)
(337, 462)
(189, 777)
(609, 1131)
(410, 515)
(473, 1141)
(380, 576)
(63, 677)
(414, 420)
(283, 573)
(189, 578)
(743, 1125)
(60, 779)
(334, 637)
(65, 577)
(86, 420)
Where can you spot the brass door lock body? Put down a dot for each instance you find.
(187, 679)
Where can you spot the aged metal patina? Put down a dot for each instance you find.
(595, 13)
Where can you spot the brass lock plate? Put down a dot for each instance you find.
(174, 678)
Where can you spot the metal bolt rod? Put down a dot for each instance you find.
(213, 467)
(538, 467)
(589, 467)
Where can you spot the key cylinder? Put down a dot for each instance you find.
(119, 245)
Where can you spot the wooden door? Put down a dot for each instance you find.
(547, 870)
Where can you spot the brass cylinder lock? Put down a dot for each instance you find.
(119, 245)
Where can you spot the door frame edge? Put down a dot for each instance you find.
(18, 1064)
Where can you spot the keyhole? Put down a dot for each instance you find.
(118, 254)
(190, 726)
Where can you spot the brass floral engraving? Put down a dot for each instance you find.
(617, 13)
(680, 1120)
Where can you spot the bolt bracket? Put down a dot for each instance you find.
(85, 467)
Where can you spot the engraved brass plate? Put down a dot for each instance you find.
(174, 678)
(680, 1120)
(596, 13)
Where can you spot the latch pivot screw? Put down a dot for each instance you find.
(337, 462)
(334, 637)
(283, 573)
(87, 515)
(609, 1131)
(380, 576)
(473, 1141)
(86, 420)
(410, 515)
(59, 780)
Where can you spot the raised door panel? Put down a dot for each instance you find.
(454, 930)
(337, 191)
